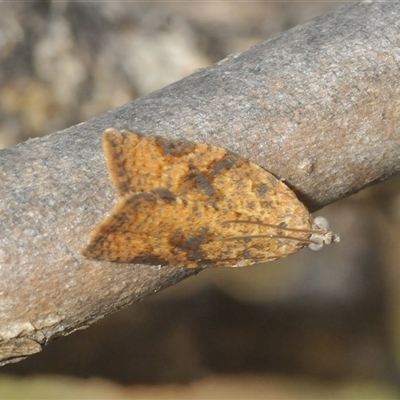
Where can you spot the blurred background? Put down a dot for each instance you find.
(314, 326)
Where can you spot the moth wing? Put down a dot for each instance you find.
(146, 229)
(149, 229)
(139, 163)
(185, 222)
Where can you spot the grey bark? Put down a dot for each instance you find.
(317, 106)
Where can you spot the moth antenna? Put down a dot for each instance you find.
(320, 234)
(309, 241)
(311, 231)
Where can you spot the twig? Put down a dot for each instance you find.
(317, 106)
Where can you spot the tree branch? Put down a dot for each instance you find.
(317, 106)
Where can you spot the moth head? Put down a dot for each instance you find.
(322, 234)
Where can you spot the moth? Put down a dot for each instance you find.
(193, 205)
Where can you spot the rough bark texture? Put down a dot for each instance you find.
(316, 106)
